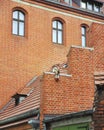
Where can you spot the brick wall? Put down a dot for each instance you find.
(98, 115)
(70, 94)
(76, 93)
(97, 42)
(21, 58)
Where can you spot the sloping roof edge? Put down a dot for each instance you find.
(20, 117)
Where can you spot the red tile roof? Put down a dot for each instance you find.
(99, 78)
(32, 101)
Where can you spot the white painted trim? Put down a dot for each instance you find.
(51, 73)
(67, 75)
(56, 11)
(31, 81)
(88, 48)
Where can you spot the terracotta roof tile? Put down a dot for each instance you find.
(32, 101)
(99, 78)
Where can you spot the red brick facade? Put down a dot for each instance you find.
(23, 57)
(64, 95)
(98, 115)
(98, 43)
(76, 92)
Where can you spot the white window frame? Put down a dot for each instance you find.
(18, 23)
(57, 32)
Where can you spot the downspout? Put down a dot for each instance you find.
(35, 123)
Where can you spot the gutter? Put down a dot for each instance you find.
(71, 115)
(19, 117)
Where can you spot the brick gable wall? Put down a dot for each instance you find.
(70, 94)
(76, 93)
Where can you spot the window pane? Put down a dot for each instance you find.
(14, 28)
(83, 41)
(96, 8)
(67, 1)
(83, 4)
(60, 37)
(54, 36)
(54, 24)
(21, 28)
(59, 25)
(21, 16)
(15, 14)
(89, 5)
(21, 99)
(83, 30)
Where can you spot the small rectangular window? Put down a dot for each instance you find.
(83, 4)
(83, 29)
(89, 5)
(96, 8)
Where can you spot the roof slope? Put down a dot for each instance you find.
(32, 101)
(99, 78)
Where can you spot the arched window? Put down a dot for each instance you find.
(18, 25)
(57, 34)
(83, 31)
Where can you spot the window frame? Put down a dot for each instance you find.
(89, 3)
(94, 5)
(57, 30)
(18, 21)
(82, 1)
(83, 35)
